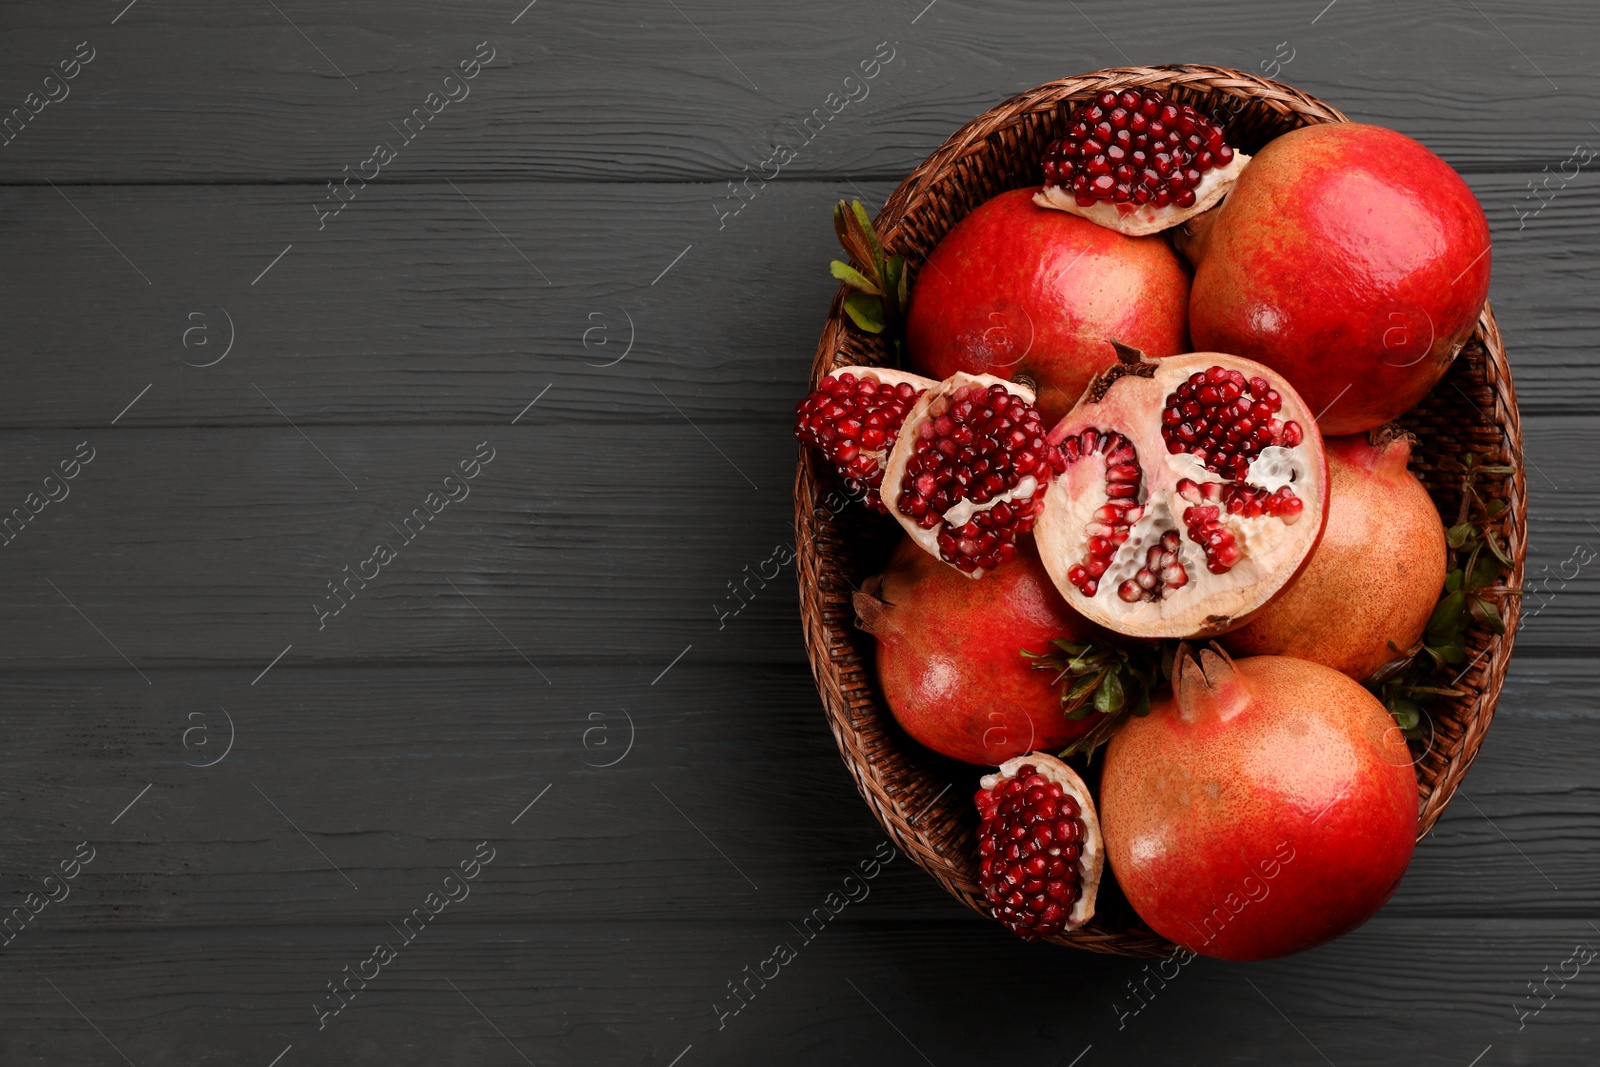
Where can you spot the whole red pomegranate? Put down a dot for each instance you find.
(1268, 805)
(1350, 259)
(1365, 596)
(1023, 292)
(950, 654)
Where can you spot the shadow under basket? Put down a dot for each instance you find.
(924, 801)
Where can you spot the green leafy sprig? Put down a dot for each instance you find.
(1103, 679)
(1478, 560)
(879, 293)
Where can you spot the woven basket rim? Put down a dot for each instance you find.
(923, 821)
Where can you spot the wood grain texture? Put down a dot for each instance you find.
(860, 992)
(210, 546)
(611, 90)
(411, 308)
(574, 197)
(395, 774)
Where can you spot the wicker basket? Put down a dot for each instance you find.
(924, 801)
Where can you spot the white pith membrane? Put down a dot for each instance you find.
(1271, 550)
(1025, 494)
(1137, 220)
(1091, 855)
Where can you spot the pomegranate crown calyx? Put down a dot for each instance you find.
(1207, 684)
(1130, 362)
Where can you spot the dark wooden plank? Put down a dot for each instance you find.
(611, 90)
(581, 542)
(394, 774)
(410, 308)
(1403, 991)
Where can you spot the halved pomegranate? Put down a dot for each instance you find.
(969, 471)
(1039, 846)
(1195, 489)
(853, 418)
(1138, 163)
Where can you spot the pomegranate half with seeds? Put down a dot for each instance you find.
(1039, 847)
(969, 471)
(853, 418)
(1195, 489)
(1136, 162)
(1352, 260)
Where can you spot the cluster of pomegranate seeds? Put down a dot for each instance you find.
(1225, 420)
(1161, 571)
(979, 445)
(1109, 526)
(853, 421)
(1135, 147)
(1029, 843)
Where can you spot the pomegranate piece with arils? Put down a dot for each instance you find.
(1195, 488)
(1137, 162)
(1039, 848)
(853, 419)
(970, 470)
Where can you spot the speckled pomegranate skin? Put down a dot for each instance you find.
(950, 655)
(1017, 290)
(1373, 579)
(1261, 818)
(1350, 259)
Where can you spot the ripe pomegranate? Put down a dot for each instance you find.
(1367, 592)
(1138, 163)
(1195, 489)
(1039, 847)
(853, 418)
(1035, 296)
(1350, 259)
(969, 471)
(950, 654)
(1268, 805)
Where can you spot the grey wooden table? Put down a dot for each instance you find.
(535, 348)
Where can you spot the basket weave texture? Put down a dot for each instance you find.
(924, 801)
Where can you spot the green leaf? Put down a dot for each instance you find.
(852, 277)
(900, 271)
(1486, 570)
(1493, 541)
(1455, 537)
(1453, 580)
(1082, 687)
(1448, 618)
(1407, 713)
(868, 232)
(866, 311)
(1486, 613)
(1452, 652)
(1109, 698)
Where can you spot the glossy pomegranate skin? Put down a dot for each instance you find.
(1350, 259)
(949, 654)
(1375, 576)
(1017, 290)
(1261, 830)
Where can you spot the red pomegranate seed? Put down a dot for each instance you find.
(979, 444)
(1225, 420)
(1160, 573)
(1110, 524)
(853, 420)
(1135, 135)
(1030, 842)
